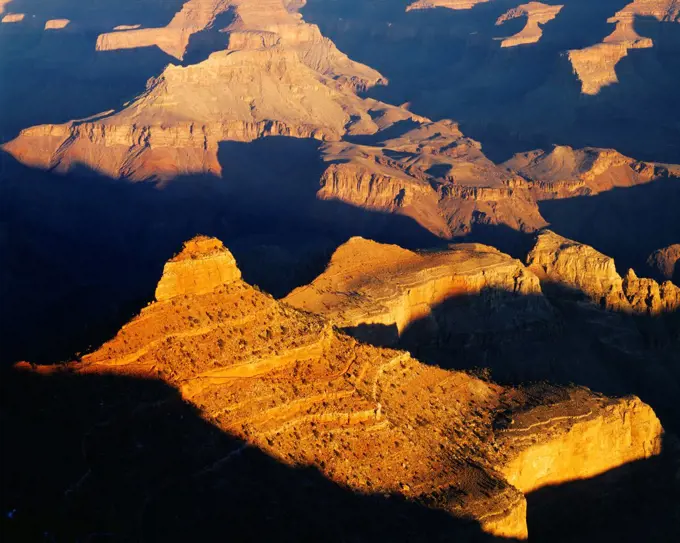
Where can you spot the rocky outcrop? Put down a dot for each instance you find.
(450, 4)
(433, 174)
(13, 18)
(537, 14)
(371, 419)
(646, 296)
(576, 437)
(57, 24)
(572, 265)
(565, 172)
(379, 291)
(252, 24)
(280, 76)
(595, 66)
(175, 126)
(203, 265)
(665, 263)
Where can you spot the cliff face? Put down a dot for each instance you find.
(371, 419)
(576, 438)
(202, 266)
(433, 174)
(450, 4)
(595, 66)
(280, 76)
(665, 263)
(570, 264)
(537, 14)
(565, 172)
(379, 291)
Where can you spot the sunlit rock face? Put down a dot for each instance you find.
(450, 4)
(595, 66)
(56, 24)
(570, 264)
(565, 172)
(379, 291)
(13, 18)
(203, 265)
(537, 14)
(374, 420)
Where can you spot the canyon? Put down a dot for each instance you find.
(373, 419)
(342, 270)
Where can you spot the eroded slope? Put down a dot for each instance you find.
(372, 419)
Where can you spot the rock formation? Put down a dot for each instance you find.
(13, 18)
(433, 174)
(202, 266)
(665, 263)
(537, 14)
(572, 265)
(595, 66)
(565, 172)
(275, 79)
(372, 419)
(254, 24)
(56, 24)
(379, 291)
(450, 4)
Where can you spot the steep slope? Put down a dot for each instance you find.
(595, 66)
(174, 127)
(256, 22)
(566, 172)
(450, 4)
(379, 291)
(664, 263)
(537, 14)
(570, 264)
(432, 173)
(372, 419)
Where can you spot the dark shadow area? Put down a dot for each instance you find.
(636, 502)
(627, 224)
(81, 253)
(560, 337)
(53, 76)
(449, 64)
(110, 458)
(203, 44)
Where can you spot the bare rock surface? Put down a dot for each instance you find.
(450, 4)
(537, 14)
(368, 286)
(203, 265)
(664, 262)
(574, 265)
(372, 419)
(595, 66)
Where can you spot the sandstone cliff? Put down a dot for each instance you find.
(450, 4)
(595, 66)
(572, 265)
(537, 14)
(665, 263)
(372, 419)
(379, 291)
(203, 265)
(433, 174)
(565, 172)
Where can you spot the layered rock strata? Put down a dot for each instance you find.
(665, 263)
(537, 14)
(372, 419)
(576, 266)
(595, 66)
(379, 291)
